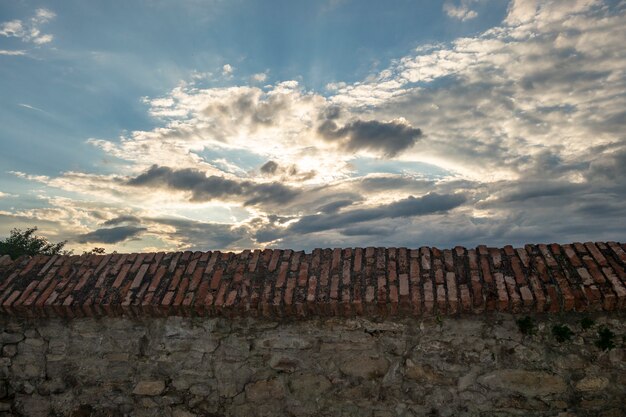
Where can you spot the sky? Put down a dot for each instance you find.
(149, 125)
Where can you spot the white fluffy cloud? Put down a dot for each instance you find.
(29, 30)
(461, 12)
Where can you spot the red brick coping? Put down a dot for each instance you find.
(326, 282)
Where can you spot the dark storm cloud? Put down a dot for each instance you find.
(111, 235)
(388, 138)
(411, 206)
(205, 188)
(334, 206)
(394, 182)
(203, 236)
(269, 167)
(122, 219)
(609, 166)
(532, 190)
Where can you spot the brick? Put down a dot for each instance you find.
(425, 258)
(393, 299)
(453, 299)
(414, 279)
(438, 268)
(496, 258)
(336, 261)
(466, 301)
(274, 261)
(295, 261)
(477, 293)
(156, 279)
(540, 299)
(597, 255)
(518, 273)
(382, 290)
(514, 298)
(503, 297)
(29, 266)
(548, 257)
(254, 260)
(52, 260)
(121, 276)
(403, 262)
(139, 277)
(346, 276)
(404, 288)
(441, 298)
(523, 256)
(448, 260)
(571, 255)
(617, 286)
(358, 255)
(334, 295)
(527, 297)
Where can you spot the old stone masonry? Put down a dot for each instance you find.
(536, 331)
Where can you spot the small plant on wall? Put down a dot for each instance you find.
(605, 338)
(562, 333)
(526, 325)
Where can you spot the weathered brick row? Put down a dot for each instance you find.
(476, 285)
(258, 280)
(290, 286)
(381, 281)
(503, 296)
(246, 286)
(489, 287)
(276, 283)
(428, 287)
(281, 281)
(415, 289)
(568, 260)
(346, 280)
(451, 288)
(359, 282)
(371, 280)
(460, 265)
(313, 282)
(300, 291)
(567, 299)
(594, 262)
(615, 262)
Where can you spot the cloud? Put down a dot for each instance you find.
(609, 166)
(227, 70)
(122, 219)
(261, 77)
(12, 52)
(461, 12)
(411, 206)
(269, 167)
(523, 142)
(29, 31)
(111, 235)
(335, 206)
(196, 235)
(207, 188)
(388, 138)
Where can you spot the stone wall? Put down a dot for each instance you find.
(480, 365)
(335, 332)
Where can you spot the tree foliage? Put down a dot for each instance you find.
(26, 242)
